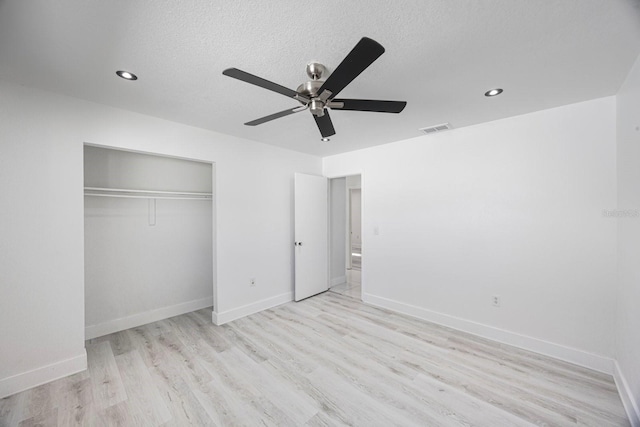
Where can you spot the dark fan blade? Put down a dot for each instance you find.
(325, 125)
(363, 55)
(259, 81)
(369, 105)
(274, 116)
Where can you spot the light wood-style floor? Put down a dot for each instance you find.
(353, 290)
(328, 360)
(352, 287)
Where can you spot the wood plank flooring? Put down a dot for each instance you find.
(329, 360)
(353, 290)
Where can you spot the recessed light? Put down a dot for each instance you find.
(493, 92)
(325, 140)
(127, 75)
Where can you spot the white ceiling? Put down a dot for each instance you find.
(441, 56)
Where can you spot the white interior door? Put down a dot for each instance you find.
(311, 268)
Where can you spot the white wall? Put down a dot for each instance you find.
(41, 221)
(628, 309)
(338, 230)
(139, 271)
(510, 208)
(106, 167)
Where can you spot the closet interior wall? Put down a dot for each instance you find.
(149, 234)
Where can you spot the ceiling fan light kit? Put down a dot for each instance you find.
(126, 75)
(493, 92)
(318, 95)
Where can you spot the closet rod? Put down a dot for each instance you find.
(125, 190)
(129, 196)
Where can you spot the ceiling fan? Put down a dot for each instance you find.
(317, 95)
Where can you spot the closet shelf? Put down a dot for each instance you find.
(145, 194)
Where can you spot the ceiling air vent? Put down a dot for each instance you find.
(437, 128)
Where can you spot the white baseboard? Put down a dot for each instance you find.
(115, 325)
(42, 375)
(245, 310)
(568, 354)
(629, 401)
(338, 280)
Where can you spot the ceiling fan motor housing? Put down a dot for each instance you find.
(310, 88)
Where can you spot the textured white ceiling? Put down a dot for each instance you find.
(441, 56)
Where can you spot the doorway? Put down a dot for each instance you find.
(346, 243)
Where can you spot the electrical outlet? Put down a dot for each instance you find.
(252, 282)
(496, 300)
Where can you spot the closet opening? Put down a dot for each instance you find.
(149, 230)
